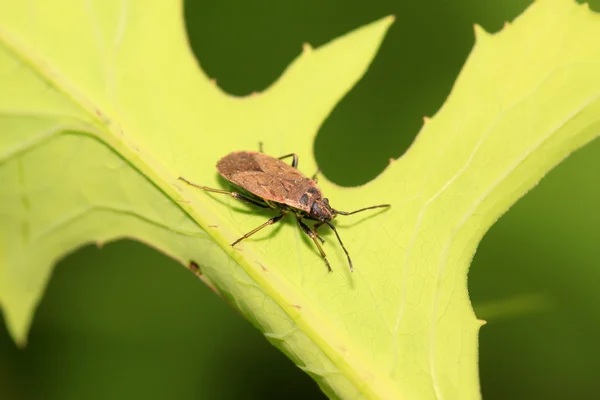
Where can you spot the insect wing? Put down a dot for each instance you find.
(266, 177)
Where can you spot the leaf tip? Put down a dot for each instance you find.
(21, 342)
(385, 23)
(306, 48)
(380, 26)
(480, 33)
(18, 329)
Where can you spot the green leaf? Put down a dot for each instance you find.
(100, 113)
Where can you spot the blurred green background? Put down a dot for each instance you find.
(125, 322)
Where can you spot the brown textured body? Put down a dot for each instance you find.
(268, 182)
(270, 179)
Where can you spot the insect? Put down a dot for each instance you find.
(268, 182)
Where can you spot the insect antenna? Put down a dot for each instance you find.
(362, 209)
(341, 243)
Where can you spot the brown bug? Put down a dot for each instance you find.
(268, 182)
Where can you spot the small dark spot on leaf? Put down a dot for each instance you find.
(195, 268)
(263, 267)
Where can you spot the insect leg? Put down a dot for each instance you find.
(294, 159)
(253, 231)
(235, 195)
(313, 235)
(340, 240)
(319, 237)
(315, 227)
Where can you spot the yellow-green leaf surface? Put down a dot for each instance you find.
(102, 107)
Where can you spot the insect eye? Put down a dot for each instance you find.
(316, 208)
